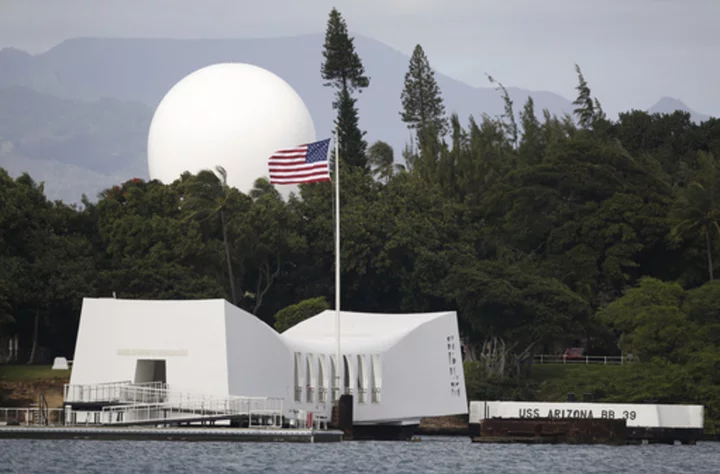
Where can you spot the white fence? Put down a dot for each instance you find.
(116, 392)
(154, 402)
(32, 416)
(562, 359)
(196, 410)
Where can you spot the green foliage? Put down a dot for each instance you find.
(352, 144)
(508, 119)
(12, 373)
(480, 385)
(296, 313)
(342, 67)
(421, 99)
(696, 209)
(343, 70)
(381, 160)
(542, 234)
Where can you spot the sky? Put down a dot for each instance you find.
(632, 52)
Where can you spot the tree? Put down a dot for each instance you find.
(297, 313)
(696, 210)
(209, 196)
(531, 146)
(587, 109)
(352, 144)
(343, 70)
(508, 118)
(380, 158)
(342, 67)
(650, 320)
(423, 108)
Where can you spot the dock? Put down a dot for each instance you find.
(172, 434)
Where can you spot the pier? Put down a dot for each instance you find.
(172, 434)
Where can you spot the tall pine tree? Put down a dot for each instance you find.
(422, 102)
(343, 70)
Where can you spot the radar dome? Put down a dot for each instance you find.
(232, 115)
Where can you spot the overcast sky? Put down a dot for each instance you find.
(632, 52)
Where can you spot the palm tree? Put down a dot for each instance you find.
(262, 187)
(380, 158)
(208, 196)
(696, 210)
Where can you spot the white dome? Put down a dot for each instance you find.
(231, 115)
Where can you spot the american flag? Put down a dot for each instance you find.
(302, 164)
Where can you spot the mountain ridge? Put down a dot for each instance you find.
(140, 71)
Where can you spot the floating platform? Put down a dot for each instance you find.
(172, 434)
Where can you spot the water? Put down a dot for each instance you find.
(431, 455)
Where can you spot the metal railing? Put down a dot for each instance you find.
(197, 410)
(154, 401)
(32, 416)
(562, 359)
(116, 392)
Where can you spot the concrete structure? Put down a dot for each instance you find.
(231, 114)
(207, 347)
(647, 421)
(398, 367)
(60, 363)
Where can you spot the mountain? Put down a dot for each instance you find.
(74, 146)
(77, 116)
(143, 70)
(668, 105)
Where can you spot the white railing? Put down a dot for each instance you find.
(196, 410)
(562, 359)
(154, 401)
(32, 416)
(114, 392)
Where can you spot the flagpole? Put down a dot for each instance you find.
(340, 364)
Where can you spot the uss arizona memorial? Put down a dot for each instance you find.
(398, 367)
(212, 355)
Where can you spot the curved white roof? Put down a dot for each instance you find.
(358, 331)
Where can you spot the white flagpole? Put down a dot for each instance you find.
(340, 364)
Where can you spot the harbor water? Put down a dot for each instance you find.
(430, 455)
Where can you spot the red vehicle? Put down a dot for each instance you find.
(573, 353)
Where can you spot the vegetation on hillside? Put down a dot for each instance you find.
(567, 231)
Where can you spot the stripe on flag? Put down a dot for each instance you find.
(303, 164)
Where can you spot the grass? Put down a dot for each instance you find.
(556, 381)
(11, 373)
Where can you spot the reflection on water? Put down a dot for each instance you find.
(432, 454)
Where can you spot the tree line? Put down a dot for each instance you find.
(542, 231)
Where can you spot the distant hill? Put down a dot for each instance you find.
(80, 112)
(75, 147)
(143, 70)
(668, 105)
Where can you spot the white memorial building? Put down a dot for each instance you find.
(398, 367)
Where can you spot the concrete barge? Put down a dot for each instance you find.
(589, 423)
(172, 434)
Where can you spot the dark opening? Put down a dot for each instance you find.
(150, 371)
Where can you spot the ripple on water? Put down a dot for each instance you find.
(432, 454)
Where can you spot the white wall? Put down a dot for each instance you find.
(188, 335)
(416, 378)
(211, 347)
(638, 415)
(258, 361)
